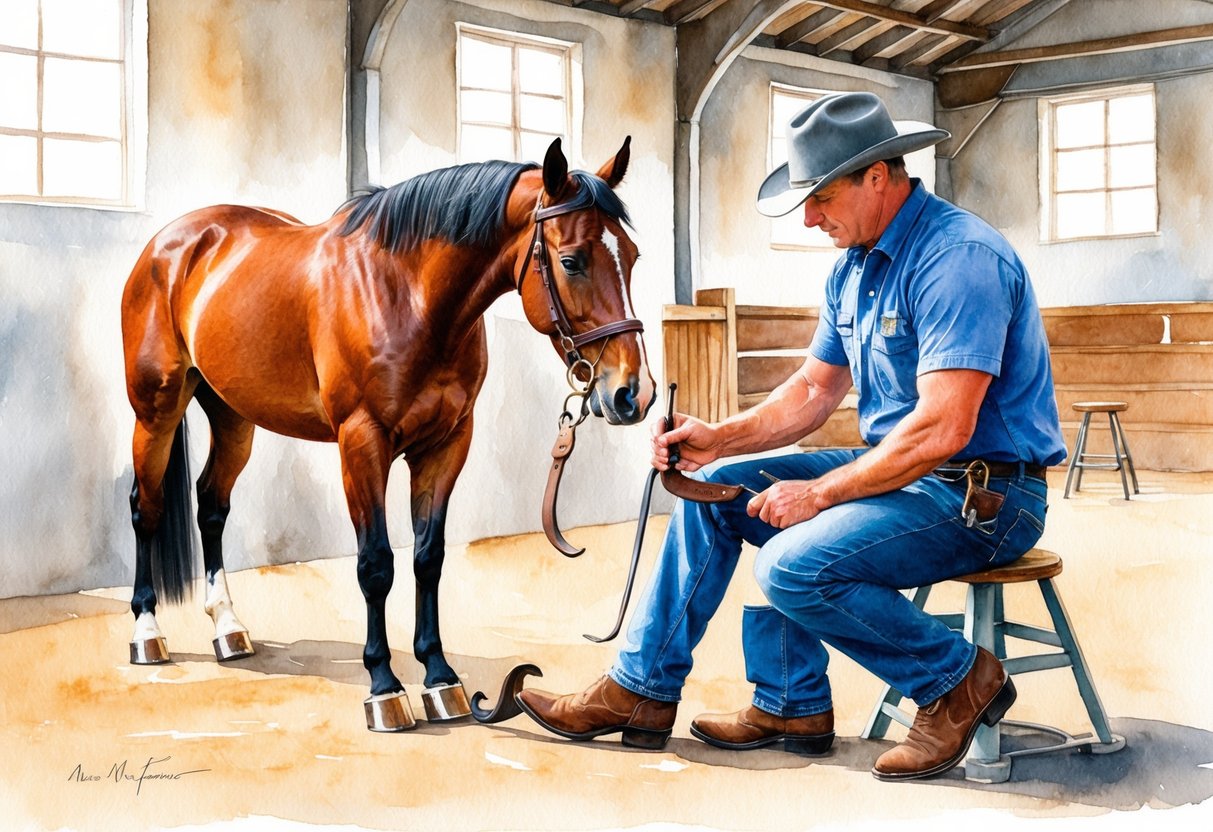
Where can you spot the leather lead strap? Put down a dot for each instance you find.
(565, 440)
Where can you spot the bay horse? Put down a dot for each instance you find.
(366, 330)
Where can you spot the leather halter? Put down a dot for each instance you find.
(538, 250)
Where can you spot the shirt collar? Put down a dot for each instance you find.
(895, 233)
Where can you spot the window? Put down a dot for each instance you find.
(788, 231)
(515, 95)
(65, 114)
(1098, 165)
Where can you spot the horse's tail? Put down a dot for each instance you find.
(173, 551)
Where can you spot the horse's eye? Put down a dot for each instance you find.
(572, 265)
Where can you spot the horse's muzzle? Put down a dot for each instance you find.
(620, 405)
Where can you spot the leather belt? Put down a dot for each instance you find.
(955, 468)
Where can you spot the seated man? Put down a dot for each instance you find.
(932, 318)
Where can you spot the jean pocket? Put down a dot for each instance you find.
(1020, 537)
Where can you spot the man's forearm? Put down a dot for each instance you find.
(792, 411)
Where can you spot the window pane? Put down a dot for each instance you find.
(82, 27)
(547, 115)
(783, 107)
(486, 65)
(18, 165)
(494, 107)
(479, 144)
(790, 230)
(19, 92)
(541, 71)
(1080, 125)
(1134, 212)
(82, 97)
(86, 169)
(535, 146)
(1080, 215)
(1131, 119)
(1131, 165)
(19, 23)
(1079, 170)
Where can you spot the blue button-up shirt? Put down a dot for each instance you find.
(943, 290)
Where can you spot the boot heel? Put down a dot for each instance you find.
(813, 746)
(648, 740)
(1001, 703)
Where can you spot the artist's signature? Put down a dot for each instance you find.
(155, 768)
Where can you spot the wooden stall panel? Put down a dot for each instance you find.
(1159, 363)
(775, 327)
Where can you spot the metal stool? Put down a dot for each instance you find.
(1120, 446)
(984, 623)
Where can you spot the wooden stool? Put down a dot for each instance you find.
(1120, 446)
(984, 623)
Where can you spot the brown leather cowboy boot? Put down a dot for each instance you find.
(603, 708)
(754, 728)
(943, 729)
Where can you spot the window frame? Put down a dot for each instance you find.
(807, 95)
(1049, 152)
(132, 131)
(569, 52)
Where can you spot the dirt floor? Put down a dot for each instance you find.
(278, 741)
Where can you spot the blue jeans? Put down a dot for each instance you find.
(835, 579)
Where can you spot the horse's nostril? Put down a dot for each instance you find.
(625, 405)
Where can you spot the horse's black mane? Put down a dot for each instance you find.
(464, 204)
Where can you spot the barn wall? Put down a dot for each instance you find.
(245, 105)
(735, 238)
(997, 175)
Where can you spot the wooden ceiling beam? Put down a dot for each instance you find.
(935, 27)
(633, 6)
(684, 10)
(817, 20)
(847, 35)
(1099, 46)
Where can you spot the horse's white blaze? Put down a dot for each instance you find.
(612, 245)
(146, 628)
(219, 605)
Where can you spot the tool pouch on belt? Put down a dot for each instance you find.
(981, 505)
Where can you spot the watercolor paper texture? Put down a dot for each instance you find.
(289, 104)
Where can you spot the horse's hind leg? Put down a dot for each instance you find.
(433, 476)
(160, 517)
(231, 444)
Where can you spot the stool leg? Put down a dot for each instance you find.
(881, 718)
(1082, 676)
(1119, 455)
(1000, 639)
(984, 761)
(1124, 446)
(1080, 442)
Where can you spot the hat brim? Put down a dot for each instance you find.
(778, 195)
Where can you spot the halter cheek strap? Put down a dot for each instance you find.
(569, 341)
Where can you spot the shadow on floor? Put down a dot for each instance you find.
(1162, 764)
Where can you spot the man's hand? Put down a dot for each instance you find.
(787, 503)
(696, 440)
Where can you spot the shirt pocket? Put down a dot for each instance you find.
(895, 366)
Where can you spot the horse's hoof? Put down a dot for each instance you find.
(445, 702)
(389, 712)
(231, 646)
(150, 651)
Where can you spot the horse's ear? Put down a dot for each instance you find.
(614, 170)
(555, 169)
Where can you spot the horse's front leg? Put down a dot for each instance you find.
(433, 476)
(365, 461)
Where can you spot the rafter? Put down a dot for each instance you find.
(814, 22)
(1100, 46)
(938, 27)
(684, 10)
(633, 6)
(847, 35)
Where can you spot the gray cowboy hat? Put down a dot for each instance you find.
(836, 135)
